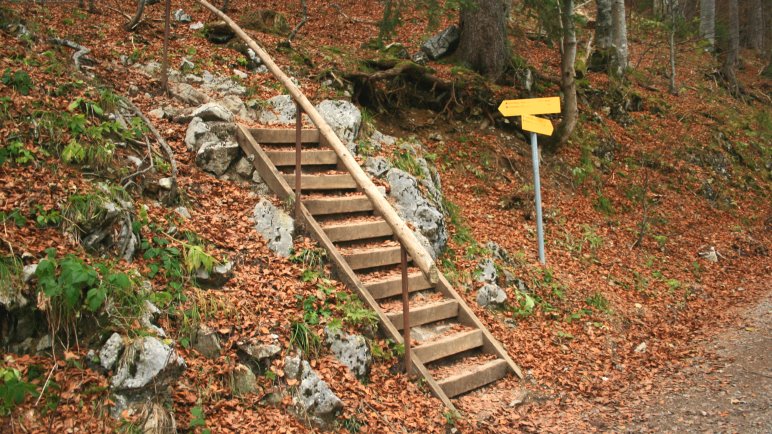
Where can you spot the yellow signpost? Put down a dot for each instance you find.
(526, 109)
(537, 125)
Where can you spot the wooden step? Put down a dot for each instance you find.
(323, 182)
(338, 205)
(473, 378)
(377, 257)
(268, 136)
(393, 285)
(357, 230)
(449, 345)
(426, 314)
(307, 157)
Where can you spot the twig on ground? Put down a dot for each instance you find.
(302, 22)
(352, 19)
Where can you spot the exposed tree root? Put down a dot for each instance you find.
(80, 51)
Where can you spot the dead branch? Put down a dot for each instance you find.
(352, 19)
(80, 50)
(131, 25)
(161, 142)
(302, 22)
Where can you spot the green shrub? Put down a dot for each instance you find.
(19, 80)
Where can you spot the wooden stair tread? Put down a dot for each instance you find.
(392, 285)
(449, 345)
(476, 377)
(426, 314)
(377, 257)
(323, 181)
(337, 205)
(362, 230)
(268, 136)
(307, 157)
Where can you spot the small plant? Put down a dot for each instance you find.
(198, 419)
(355, 313)
(603, 204)
(404, 159)
(44, 217)
(15, 216)
(312, 259)
(524, 306)
(303, 338)
(451, 417)
(19, 80)
(353, 424)
(599, 302)
(13, 390)
(16, 152)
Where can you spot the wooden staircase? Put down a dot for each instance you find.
(461, 354)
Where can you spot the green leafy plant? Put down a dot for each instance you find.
(16, 152)
(451, 417)
(404, 159)
(599, 302)
(46, 217)
(303, 338)
(14, 216)
(19, 80)
(198, 419)
(13, 390)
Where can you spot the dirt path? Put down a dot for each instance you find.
(727, 390)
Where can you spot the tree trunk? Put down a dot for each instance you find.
(672, 11)
(708, 21)
(603, 25)
(570, 110)
(619, 36)
(732, 49)
(131, 25)
(483, 43)
(756, 26)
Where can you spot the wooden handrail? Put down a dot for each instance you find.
(403, 233)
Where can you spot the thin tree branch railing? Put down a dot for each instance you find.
(402, 232)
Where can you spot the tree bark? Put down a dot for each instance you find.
(483, 42)
(708, 21)
(733, 48)
(570, 110)
(756, 26)
(619, 36)
(131, 25)
(603, 25)
(672, 12)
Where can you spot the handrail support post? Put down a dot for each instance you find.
(405, 309)
(298, 149)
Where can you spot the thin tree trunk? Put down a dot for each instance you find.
(619, 36)
(603, 25)
(673, 87)
(570, 110)
(733, 49)
(756, 31)
(165, 62)
(708, 21)
(131, 25)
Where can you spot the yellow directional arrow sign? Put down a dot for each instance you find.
(532, 106)
(537, 125)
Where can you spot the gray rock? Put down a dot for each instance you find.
(147, 363)
(497, 251)
(148, 318)
(198, 25)
(260, 352)
(313, 396)
(222, 85)
(181, 17)
(156, 113)
(236, 106)
(486, 271)
(344, 118)
(244, 168)
(166, 183)
(196, 130)
(186, 65)
(28, 272)
(206, 342)
(216, 157)
(279, 110)
(377, 166)
(378, 140)
(420, 58)
(414, 207)
(351, 350)
(240, 74)
(244, 380)
(150, 68)
(183, 212)
(276, 226)
(219, 32)
(217, 277)
(110, 351)
(213, 112)
(491, 294)
(188, 94)
(441, 43)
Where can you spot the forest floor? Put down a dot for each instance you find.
(621, 338)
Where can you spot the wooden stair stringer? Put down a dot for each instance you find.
(275, 180)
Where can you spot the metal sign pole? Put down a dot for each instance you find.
(537, 192)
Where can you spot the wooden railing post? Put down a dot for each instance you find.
(298, 146)
(405, 309)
